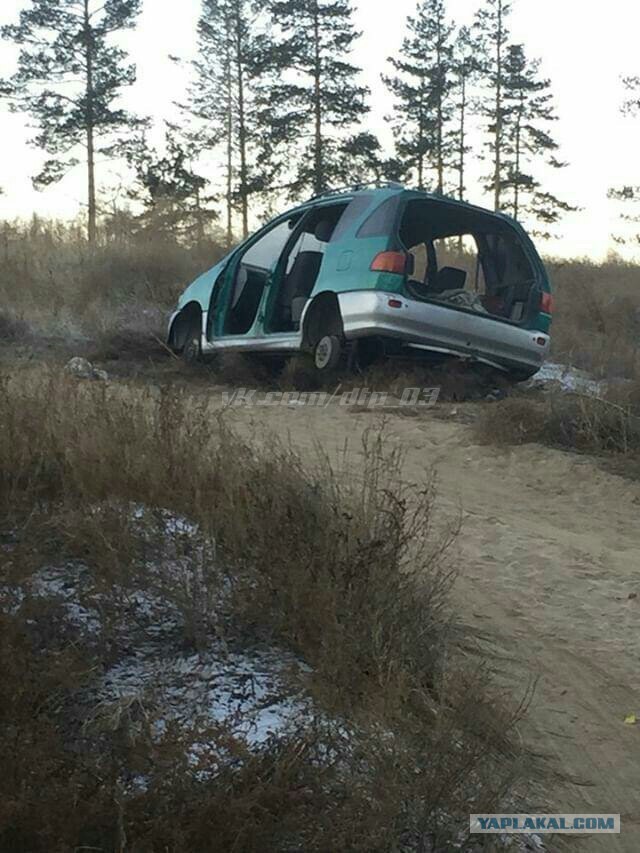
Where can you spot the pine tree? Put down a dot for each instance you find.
(312, 92)
(222, 99)
(491, 29)
(363, 161)
(172, 193)
(631, 104)
(69, 78)
(629, 194)
(528, 113)
(422, 89)
(466, 67)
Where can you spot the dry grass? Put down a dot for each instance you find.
(52, 280)
(118, 293)
(597, 318)
(607, 426)
(346, 569)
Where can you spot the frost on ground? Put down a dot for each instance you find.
(244, 691)
(227, 697)
(250, 691)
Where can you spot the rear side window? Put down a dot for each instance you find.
(382, 220)
(354, 211)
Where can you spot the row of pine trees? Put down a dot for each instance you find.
(274, 95)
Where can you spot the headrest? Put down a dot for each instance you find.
(305, 262)
(450, 278)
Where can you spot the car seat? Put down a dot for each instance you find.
(448, 278)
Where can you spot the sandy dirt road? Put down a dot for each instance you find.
(549, 557)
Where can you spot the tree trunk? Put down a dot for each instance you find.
(440, 154)
(461, 152)
(498, 125)
(229, 133)
(318, 162)
(516, 179)
(463, 135)
(421, 140)
(242, 130)
(439, 118)
(90, 121)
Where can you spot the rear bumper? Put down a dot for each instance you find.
(440, 328)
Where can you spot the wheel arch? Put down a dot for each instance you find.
(182, 322)
(322, 317)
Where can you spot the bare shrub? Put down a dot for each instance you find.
(597, 318)
(608, 425)
(344, 565)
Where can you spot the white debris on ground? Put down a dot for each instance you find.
(568, 379)
(81, 368)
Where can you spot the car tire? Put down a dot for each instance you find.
(327, 353)
(192, 349)
(518, 376)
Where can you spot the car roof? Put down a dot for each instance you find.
(388, 190)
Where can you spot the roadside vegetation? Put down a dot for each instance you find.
(57, 284)
(142, 522)
(606, 425)
(597, 316)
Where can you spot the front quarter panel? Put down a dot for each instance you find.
(200, 290)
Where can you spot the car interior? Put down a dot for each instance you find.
(302, 266)
(252, 275)
(466, 259)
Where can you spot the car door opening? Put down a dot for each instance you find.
(300, 267)
(252, 275)
(468, 259)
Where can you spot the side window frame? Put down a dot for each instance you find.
(227, 286)
(281, 267)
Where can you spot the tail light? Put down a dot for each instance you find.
(395, 262)
(546, 303)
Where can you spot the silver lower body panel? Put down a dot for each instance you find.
(418, 325)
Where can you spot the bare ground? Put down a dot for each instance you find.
(550, 566)
(550, 555)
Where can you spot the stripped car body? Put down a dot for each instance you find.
(371, 268)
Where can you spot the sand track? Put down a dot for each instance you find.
(550, 553)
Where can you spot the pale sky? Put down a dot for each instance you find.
(585, 48)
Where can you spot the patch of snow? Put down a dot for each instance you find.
(62, 583)
(173, 524)
(244, 691)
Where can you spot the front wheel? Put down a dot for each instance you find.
(192, 349)
(327, 353)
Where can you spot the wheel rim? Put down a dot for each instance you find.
(191, 348)
(323, 353)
